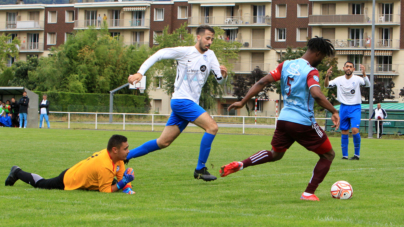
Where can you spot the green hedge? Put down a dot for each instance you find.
(79, 102)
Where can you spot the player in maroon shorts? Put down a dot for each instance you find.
(300, 88)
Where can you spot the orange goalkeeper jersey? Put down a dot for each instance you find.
(95, 173)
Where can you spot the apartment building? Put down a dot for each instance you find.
(348, 24)
(264, 29)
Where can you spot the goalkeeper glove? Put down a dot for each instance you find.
(128, 176)
(128, 191)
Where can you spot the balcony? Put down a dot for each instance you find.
(22, 25)
(350, 44)
(247, 67)
(31, 47)
(230, 21)
(249, 44)
(137, 44)
(379, 69)
(359, 19)
(113, 24)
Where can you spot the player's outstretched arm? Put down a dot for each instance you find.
(254, 90)
(323, 102)
(327, 77)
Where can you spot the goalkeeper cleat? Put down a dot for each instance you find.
(230, 168)
(310, 197)
(204, 174)
(12, 177)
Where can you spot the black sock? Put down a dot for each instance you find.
(29, 178)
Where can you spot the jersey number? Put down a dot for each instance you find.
(290, 85)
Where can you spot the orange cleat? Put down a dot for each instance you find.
(230, 168)
(311, 198)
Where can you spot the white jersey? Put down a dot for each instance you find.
(193, 69)
(348, 91)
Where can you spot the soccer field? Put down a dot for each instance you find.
(168, 195)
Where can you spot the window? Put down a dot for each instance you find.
(115, 35)
(158, 82)
(356, 60)
(11, 20)
(260, 105)
(156, 33)
(280, 34)
(34, 15)
(52, 17)
(91, 18)
(138, 18)
(328, 9)
(67, 35)
(328, 33)
(259, 14)
(182, 12)
(281, 10)
(302, 10)
(158, 14)
(52, 38)
(356, 8)
(12, 37)
(69, 16)
(301, 34)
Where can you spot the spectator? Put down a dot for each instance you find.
(5, 121)
(15, 111)
(24, 102)
(1, 104)
(99, 18)
(379, 114)
(7, 107)
(44, 108)
(105, 17)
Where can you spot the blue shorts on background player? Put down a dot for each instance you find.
(349, 95)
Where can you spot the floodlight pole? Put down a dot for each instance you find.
(111, 99)
(372, 66)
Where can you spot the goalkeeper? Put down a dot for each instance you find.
(96, 173)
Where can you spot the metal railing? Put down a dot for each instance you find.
(137, 44)
(113, 23)
(354, 18)
(379, 68)
(222, 20)
(365, 43)
(22, 25)
(250, 66)
(156, 122)
(33, 46)
(387, 18)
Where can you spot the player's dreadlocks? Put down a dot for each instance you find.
(322, 45)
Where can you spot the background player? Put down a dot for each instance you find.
(194, 66)
(300, 87)
(95, 173)
(349, 95)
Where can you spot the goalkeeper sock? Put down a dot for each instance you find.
(144, 149)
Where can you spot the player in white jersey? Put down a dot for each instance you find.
(349, 95)
(195, 63)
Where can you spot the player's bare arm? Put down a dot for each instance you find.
(323, 102)
(223, 70)
(254, 90)
(363, 69)
(135, 78)
(327, 77)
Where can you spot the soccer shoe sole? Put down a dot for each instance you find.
(11, 179)
(308, 198)
(199, 176)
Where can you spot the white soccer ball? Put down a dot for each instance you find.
(341, 190)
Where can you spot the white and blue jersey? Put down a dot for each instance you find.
(297, 78)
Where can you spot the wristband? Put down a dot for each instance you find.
(121, 184)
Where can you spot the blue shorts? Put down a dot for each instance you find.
(350, 116)
(184, 111)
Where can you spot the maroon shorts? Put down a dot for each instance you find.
(286, 133)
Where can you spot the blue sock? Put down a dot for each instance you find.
(206, 144)
(357, 143)
(344, 145)
(143, 149)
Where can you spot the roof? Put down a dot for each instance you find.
(11, 90)
(386, 106)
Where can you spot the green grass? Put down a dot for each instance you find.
(167, 194)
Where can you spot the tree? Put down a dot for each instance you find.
(22, 72)
(168, 68)
(241, 85)
(380, 92)
(7, 49)
(91, 61)
(6, 76)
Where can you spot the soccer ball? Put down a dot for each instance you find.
(341, 190)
